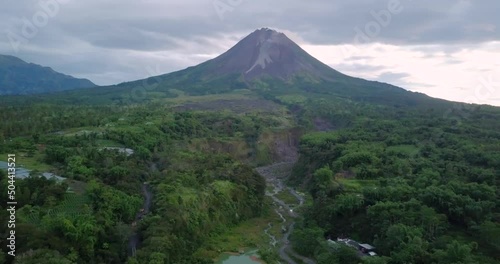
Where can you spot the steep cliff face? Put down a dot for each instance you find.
(282, 146)
(271, 147)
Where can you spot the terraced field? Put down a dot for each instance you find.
(71, 207)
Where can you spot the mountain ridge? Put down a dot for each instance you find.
(18, 77)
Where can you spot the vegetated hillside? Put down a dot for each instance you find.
(19, 77)
(421, 188)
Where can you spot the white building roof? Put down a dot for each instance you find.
(367, 246)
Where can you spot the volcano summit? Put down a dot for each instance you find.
(266, 52)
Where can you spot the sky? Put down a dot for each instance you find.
(446, 49)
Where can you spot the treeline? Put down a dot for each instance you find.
(422, 189)
(41, 119)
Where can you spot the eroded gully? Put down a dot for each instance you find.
(134, 239)
(274, 175)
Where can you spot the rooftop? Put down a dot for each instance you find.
(367, 246)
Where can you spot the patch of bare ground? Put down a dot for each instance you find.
(322, 125)
(236, 105)
(256, 259)
(345, 175)
(238, 149)
(283, 145)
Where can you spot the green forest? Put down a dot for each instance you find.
(421, 187)
(420, 184)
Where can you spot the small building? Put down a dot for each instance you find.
(365, 248)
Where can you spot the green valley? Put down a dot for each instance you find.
(275, 160)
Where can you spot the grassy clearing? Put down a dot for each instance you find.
(77, 187)
(276, 230)
(31, 163)
(454, 233)
(235, 147)
(212, 97)
(71, 207)
(108, 143)
(155, 94)
(263, 155)
(357, 185)
(308, 199)
(246, 235)
(297, 260)
(287, 197)
(293, 99)
(404, 149)
(81, 130)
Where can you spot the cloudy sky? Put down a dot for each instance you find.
(447, 49)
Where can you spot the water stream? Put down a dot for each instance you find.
(134, 240)
(274, 175)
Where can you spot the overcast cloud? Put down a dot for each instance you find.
(447, 49)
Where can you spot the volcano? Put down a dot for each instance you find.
(268, 64)
(269, 53)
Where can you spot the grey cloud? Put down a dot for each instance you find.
(453, 61)
(132, 38)
(357, 67)
(396, 78)
(357, 58)
(110, 42)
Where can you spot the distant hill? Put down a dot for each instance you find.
(18, 77)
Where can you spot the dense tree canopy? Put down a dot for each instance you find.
(419, 188)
